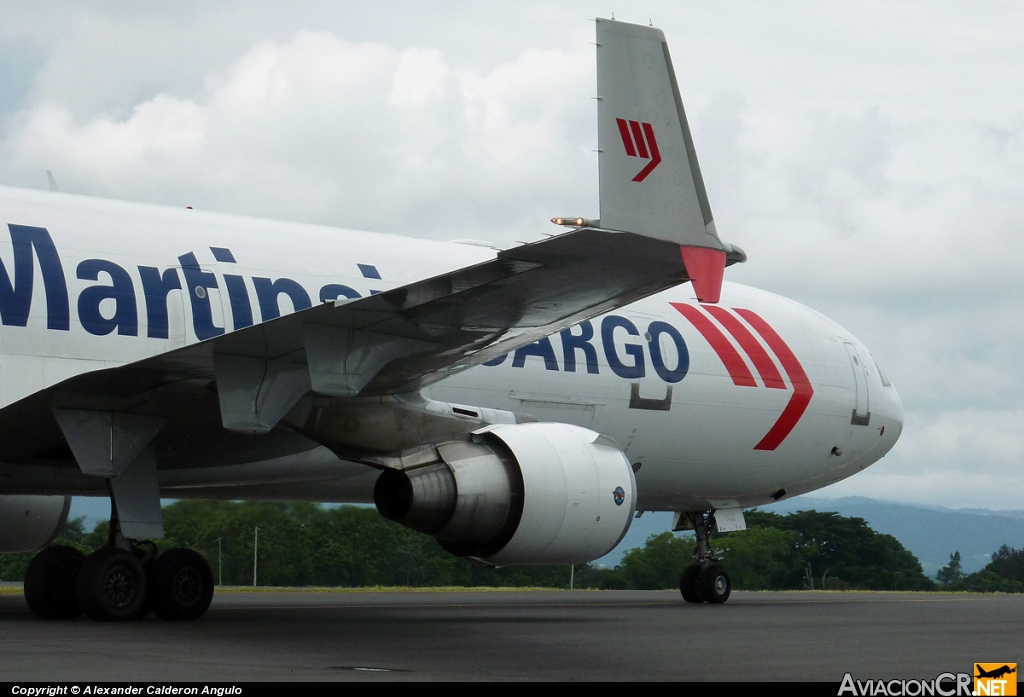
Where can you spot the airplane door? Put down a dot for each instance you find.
(861, 404)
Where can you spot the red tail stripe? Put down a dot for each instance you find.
(762, 361)
(802, 390)
(655, 154)
(638, 136)
(738, 370)
(627, 140)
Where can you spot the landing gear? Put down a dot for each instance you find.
(123, 580)
(689, 584)
(50, 583)
(715, 584)
(704, 581)
(112, 585)
(181, 585)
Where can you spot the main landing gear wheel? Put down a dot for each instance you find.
(112, 585)
(715, 584)
(50, 583)
(181, 585)
(689, 584)
(705, 581)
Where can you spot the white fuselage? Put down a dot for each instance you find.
(90, 284)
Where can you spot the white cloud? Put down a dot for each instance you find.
(309, 129)
(419, 79)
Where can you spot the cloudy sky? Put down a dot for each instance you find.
(869, 157)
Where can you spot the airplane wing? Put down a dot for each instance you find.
(397, 341)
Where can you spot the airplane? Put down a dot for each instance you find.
(520, 405)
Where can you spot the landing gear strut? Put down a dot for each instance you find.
(704, 581)
(123, 580)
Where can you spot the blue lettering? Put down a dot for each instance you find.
(608, 327)
(241, 310)
(238, 296)
(573, 342)
(369, 271)
(657, 360)
(16, 297)
(540, 348)
(197, 283)
(268, 291)
(122, 291)
(223, 254)
(334, 290)
(155, 288)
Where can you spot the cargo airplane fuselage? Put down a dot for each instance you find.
(752, 398)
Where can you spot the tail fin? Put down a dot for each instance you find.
(650, 180)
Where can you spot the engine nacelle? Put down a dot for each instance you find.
(534, 493)
(29, 522)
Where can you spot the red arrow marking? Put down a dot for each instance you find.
(738, 370)
(638, 138)
(655, 153)
(639, 141)
(802, 390)
(627, 140)
(762, 361)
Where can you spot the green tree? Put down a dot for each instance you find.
(657, 564)
(779, 552)
(1004, 574)
(951, 572)
(846, 552)
(1008, 563)
(760, 558)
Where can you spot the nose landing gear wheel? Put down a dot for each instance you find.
(111, 585)
(181, 585)
(689, 584)
(50, 583)
(715, 584)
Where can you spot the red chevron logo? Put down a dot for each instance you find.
(639, 141)
(738, 370)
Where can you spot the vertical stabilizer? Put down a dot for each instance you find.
(650, 180)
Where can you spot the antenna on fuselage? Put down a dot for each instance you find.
(53, 182)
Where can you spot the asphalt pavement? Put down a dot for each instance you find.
(527, 635)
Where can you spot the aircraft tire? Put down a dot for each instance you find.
(689, 584)
(181, 585)
(112, 585)
(147, 562)
(715, 584)
(50, 583)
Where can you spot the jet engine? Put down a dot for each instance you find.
(531, 493)
(29, 522)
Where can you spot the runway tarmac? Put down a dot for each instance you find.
(529, 635)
